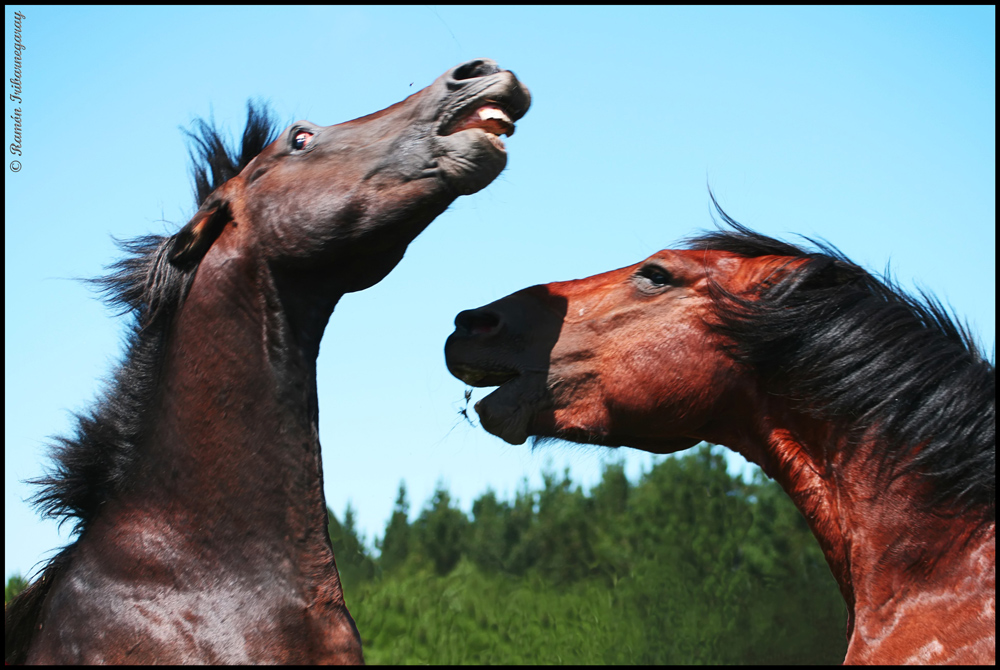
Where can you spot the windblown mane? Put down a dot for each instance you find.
(858, 351)
(210, 153)
(94, 463)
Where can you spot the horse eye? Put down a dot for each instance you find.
(301, 139)
(656, 276)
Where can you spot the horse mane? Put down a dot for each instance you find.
(21, 614)
(857, 350)
(94, 464)
(214, 162)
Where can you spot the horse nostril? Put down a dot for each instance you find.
(481, 67)
(477, 322)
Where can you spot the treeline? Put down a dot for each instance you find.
(687, 565)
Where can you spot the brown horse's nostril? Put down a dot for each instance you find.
(481, 67)
(477, 322)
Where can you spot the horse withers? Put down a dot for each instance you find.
(195, 483)
(874, 410)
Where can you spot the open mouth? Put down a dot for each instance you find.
(469, 153)
(510, 410)
(506, 411)
(483, 378)
(490, 118)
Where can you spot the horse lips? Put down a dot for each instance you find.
(491, 119)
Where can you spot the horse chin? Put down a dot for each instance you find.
(471, 159)
(509, 411)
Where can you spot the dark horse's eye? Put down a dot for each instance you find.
(654, 277)
(301, 139)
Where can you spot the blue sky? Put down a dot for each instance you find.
(873, 128)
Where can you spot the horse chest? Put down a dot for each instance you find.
(90, 619)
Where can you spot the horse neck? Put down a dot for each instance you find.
(898, 565)
(233, 456)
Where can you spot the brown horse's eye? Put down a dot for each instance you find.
(301, 139)
(652, 278)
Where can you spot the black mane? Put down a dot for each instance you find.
(857, 350)
(94, 464)
(211, 153)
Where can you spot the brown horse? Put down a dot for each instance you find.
(195, 484)
(873, 410)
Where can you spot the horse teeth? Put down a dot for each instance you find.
(488, 112)
(488, 118)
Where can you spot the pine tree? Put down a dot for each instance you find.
(440, 530)
(395, 545)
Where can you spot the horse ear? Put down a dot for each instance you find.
(193, 240)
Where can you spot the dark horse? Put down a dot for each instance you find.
(195, 483)
(875, 412)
